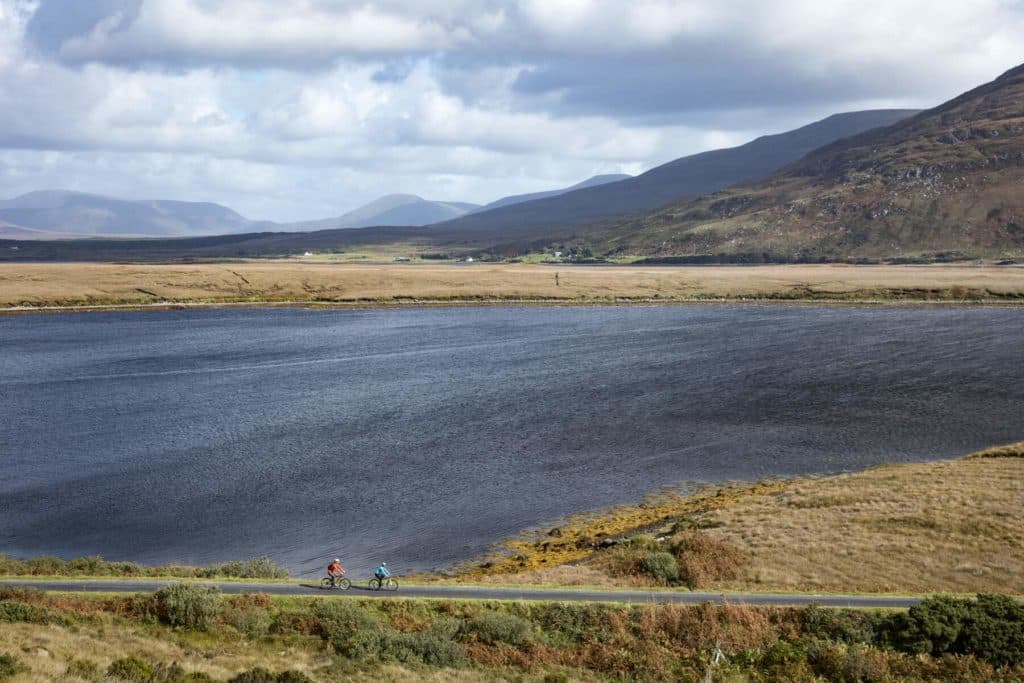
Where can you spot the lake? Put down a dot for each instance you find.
(419, 436)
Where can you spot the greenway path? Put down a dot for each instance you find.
(447, 592)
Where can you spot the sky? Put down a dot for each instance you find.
(302, 109)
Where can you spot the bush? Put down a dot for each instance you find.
(130, 669)
(994, 631)
(703, 559)
(250, 622)
(253, 568)
(10, 666)
(12, 611)
(497, 627)
(257, 675)
(841, 626)
(852, 663)
(427, 648)
(261, 675)
(573, 622)
(187, 605)
(352, 630)
(931, 627)
(85, 668)
(293, 677)
(990, 628)
(661, 566)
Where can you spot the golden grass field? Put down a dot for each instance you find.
(76, 284)
(46, 649)
(953, 525)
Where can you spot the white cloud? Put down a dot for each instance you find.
(305, 108)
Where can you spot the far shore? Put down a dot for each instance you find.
(63, 287)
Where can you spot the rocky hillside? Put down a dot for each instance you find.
(946, 183)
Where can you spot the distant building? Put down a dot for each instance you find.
(469, 259)
(308, 253)
(402, 258)
(557, 254)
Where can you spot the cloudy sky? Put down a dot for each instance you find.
(298, 109)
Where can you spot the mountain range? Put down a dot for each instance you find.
(63, 214)
(684, 177)
(940, 184)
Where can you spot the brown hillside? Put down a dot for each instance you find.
(949, 181)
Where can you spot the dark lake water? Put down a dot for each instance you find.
(420, 436)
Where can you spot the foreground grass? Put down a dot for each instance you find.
(47, 567)
(954, 526)
(94, 284)
(189, 634)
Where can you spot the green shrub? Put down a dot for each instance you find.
(930, 627)
(10, 666)
(187, 605)
(352, 630)
(994, 631)
(661, 566)
(573, 621)
(257, 675)
(990, 628)
(12, 611)
(253, 568)
(85, 668)
(498, 627)
(252, 623)
(426, 648)
(849, 663)
(130, 669)
(292, 676)
(841, 626)
(261, 675)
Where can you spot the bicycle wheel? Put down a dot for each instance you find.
(344, 584)
(326, 582)
(374, 584)
(392, 585)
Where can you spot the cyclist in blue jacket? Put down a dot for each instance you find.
(382, 571)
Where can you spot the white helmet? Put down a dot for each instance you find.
(337, 560)
(383, 564)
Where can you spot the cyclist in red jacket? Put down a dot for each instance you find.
(335, 570)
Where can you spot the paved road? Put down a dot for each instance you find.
(489, 593)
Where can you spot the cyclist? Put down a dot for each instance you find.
(335, 570)
(382, 572)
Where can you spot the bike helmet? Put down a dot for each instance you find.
(383, 564)
(337, 560)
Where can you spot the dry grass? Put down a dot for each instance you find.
(46, 650)
(73, 284)
(954, 526)
(574, 540)
(940, 526)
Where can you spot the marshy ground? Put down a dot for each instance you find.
(75, 284)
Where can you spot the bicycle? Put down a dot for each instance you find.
(388, 584)
(335, 582)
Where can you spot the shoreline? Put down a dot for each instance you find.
(564, 552)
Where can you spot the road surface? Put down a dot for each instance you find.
(488, 593)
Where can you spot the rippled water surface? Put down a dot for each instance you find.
(419, 436)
